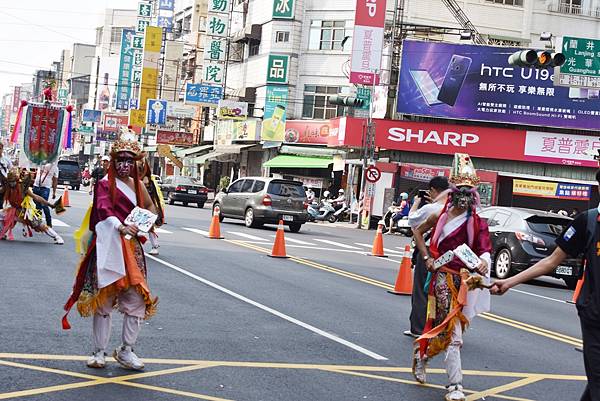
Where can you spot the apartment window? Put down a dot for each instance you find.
(253, 49)
(115, 35)
(316, 104)
(326, 35)
(507, 2)
(571, 6)
(282, 36)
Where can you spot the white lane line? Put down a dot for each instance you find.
(59, 223)
(562, 301)
(244, 235)
(326, 241)
(385, 249)
(272, 311)
(295, 241)
(163, 231)
(195, 230)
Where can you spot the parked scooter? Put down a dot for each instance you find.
(402, 226)
(323, 211)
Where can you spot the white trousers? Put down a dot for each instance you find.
(131, 304)
(452, 360)
(153, 239)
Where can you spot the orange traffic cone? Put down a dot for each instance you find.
(577, 290)
(378, 242)
(404, 281)
(214, 232)
(65, 198)
(279, 244)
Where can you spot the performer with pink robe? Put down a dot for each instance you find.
(113, 271)
(453, 299)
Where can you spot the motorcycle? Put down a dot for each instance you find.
(321, 212)
(401, 227)
(340, 214)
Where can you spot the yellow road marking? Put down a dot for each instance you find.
(492, 317)
(505, 387)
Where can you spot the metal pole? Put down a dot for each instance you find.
(97, 74)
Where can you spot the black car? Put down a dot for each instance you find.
(522, 237)
(182, 189)
(69, 174)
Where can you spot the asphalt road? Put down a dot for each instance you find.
(235, 324)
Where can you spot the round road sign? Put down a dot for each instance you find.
(373, 174)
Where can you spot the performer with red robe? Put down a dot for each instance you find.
(112, 274)
(454, 296)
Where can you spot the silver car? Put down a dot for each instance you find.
(261, 200)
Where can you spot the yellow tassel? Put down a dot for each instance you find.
(83, 234)
(431, 312)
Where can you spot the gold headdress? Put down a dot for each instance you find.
(463, 172)
(13, 174)
(127, 142)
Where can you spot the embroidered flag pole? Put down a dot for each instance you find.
(15, 134)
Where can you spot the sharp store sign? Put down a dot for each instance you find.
(476, 83)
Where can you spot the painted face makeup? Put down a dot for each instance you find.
(124, 166)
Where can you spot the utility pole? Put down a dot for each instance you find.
(369, 149)
(97, 74)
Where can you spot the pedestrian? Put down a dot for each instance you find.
(158, 201)
(451, 305)
(422, 208)
(582, 236)
(5, 166)
(46, 179)
(112, 274)
(99, 172)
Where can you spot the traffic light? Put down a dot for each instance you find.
(349, 101)
(536, 59)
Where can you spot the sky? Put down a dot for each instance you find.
(34, 32)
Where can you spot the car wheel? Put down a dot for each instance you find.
(249, 218)
(171, 200)
(502, 264)
(295, 227)
(216, 205)
(200, 205)
(571, 282)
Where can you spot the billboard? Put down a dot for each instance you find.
(175, 138)
(367, 42)
(308, 132)
(273, 127)
(125, 69)
(476, 83)
(555, 190)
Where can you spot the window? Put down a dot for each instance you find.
(326, 35)
(258, 186)
(253, 49)
(507, 2)
(316, 102)
(236, 186)
(501, 218)
(115, 35)
(286, 189)
(247, 185)
(504, 42)
(570, 6)
(282, 36)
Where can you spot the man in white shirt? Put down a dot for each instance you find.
(421, 209)
(46, 179)
(5, 166)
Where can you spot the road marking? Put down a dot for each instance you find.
(562, 301)
(385, 249)
(271, 310)
(506, 387)
(195, 230)
(295, 241)
(326, 241)
(162, 231)
(59, 223)
(244, 235)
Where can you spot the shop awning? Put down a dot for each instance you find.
(289, 161)
(191, 151)
(309, 151)
(209, 156)
(236, 148)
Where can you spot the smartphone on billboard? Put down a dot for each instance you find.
(454, 79)
(429, 90)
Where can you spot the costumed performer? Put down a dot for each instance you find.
(156, 195)
(454, 296)
(113, 274)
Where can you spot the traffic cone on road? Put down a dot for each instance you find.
(279, 244)
(378, 242)
(404, 281)
(214, 231)
(65, 198)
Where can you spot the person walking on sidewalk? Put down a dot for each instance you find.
(422, 208)
(113, 273)
(46, 179)
(582, 236)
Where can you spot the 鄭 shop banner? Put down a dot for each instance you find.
(477, 141)
(367, 42)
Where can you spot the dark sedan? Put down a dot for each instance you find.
(185, 190)
(521, 237)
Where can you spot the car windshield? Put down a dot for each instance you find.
(286, 189)
(547, 225)
(185, 181)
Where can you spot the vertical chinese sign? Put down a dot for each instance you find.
(125, 68)
(215, 47)
(367, 43)
(273, 127)
(283, 9)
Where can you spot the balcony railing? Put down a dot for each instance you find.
(573, 9)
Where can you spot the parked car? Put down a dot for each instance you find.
(260, 200)
(69, 174)
(183, 189)
(521, 237)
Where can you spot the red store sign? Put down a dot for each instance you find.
(307, 132)
(175, 138)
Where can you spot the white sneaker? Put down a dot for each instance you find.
(153, 251)
(58, 240)
(97, 360)
(455, 393)
(127, 358)
(419, 367)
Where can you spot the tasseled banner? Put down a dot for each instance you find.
(15, 134)
(67, 135)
